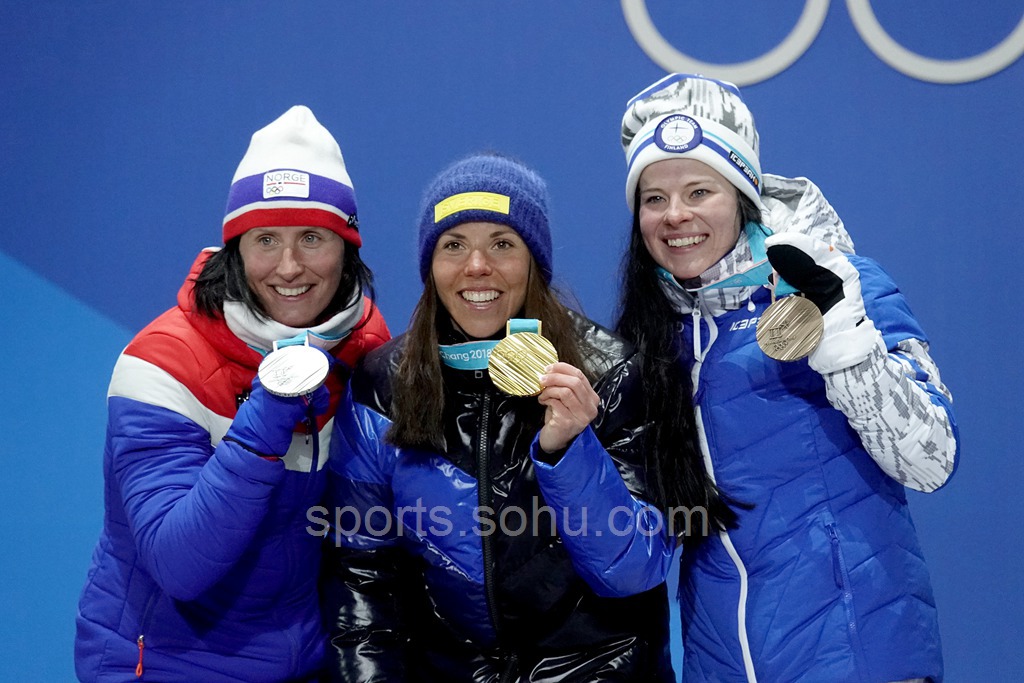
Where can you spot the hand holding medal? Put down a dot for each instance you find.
(518, 361)
(288, 389)
(517, 365)
(828, 324)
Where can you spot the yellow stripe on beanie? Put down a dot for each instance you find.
(470, 201)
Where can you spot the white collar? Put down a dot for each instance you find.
(261, 333)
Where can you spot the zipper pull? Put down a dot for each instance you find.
(142, 646)
(310, 416)
(696, 329)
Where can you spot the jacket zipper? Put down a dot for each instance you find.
(312, 440)
(699, 352)
(143, 625)
(510, 669)
(484, 500)
(142, 646)
(842, 578)
(839, 569)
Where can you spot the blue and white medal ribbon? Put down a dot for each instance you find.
(475, 355)
(467, 356)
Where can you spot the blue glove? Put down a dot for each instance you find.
(829, 280)
(265, 422)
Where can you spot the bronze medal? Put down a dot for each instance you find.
(518, 361)
(790, 329)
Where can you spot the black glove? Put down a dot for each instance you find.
(828, 279)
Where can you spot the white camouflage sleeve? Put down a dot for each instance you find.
(886, 398)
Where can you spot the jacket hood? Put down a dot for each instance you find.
(797, 205)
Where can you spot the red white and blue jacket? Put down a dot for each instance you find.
(204, 569)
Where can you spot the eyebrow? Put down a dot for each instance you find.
(496, 233)
(702, 180)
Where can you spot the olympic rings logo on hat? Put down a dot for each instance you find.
(678, 133)
(777, 60)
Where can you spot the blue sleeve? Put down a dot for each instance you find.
(364, 571)
(618, 543)
(192, 509)
(360, 468)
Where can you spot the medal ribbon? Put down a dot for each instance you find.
(475, 355)
(301, 339)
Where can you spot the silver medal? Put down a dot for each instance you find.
(293, 370)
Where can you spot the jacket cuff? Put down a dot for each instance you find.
(845, 349)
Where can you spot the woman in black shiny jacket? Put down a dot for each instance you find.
(480, 536)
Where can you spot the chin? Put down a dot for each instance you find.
(687, 272)
(294, 321)
(481, 330)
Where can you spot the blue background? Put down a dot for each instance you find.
(121, 125)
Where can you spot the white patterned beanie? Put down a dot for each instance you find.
(690, 116)
(292, 174)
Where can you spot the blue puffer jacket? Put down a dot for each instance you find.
(430, 587)
(824, 574)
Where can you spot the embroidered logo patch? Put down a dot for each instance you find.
(678, 133)
(285, 184)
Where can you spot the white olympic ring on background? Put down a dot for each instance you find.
(778, 59)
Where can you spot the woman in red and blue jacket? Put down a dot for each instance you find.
(205, 569)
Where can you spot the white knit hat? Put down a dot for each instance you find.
(292, 174)
(683, 115)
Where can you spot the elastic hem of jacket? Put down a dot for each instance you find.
(272, 458)
(543, 456)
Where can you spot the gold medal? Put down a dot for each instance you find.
(518, 361)
(790, 328)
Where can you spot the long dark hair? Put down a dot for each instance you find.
(649, 321)
(223, 279)
(417, 405)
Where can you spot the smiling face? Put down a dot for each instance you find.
(689, 215)
(480, 271)
(294, 271)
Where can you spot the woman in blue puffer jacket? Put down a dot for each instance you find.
(483, 535)
(823, 579)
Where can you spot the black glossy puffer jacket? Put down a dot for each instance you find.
(443, 591)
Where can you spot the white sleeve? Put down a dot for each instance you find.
(887, 399)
